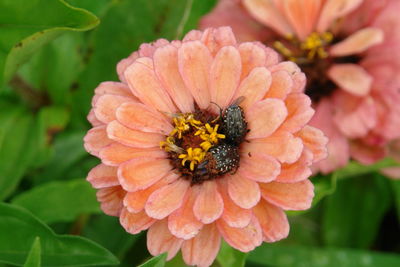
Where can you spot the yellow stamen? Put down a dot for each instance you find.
(195, 156)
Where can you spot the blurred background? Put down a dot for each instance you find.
(53, 56)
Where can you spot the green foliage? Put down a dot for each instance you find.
(19, 229)
(59, 201)
(228, 256)
(158, 261)
(28, 25)
(34, 259)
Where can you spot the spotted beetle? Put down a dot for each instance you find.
(234, 125)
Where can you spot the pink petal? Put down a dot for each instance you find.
(203, 248)
(366, 154)
(281, 145)
(358, 42)
(244, 192)
(293, 196)
(148, 49)
(209, 205)
(182, 223)
(112, 88)
(244, 239)
(352, 78)
(116, 153)
(297, 171)
(334, 9)
(118, 132)
(193, 35)
(355, 116)
(233, 215)
(111, 200)
(252, 56)
(166, 67)
(300, 112)
(254, 87)
(160, 240)
(194, 60)
(392, 172)
(224, 76)
(281, 85)
(165, 200)
(139, 117)
(91, 117)
(136, 201)
(145, 85)
(141, 173)
(257, 165)
(315, 140)
(96, 139)
(297, 76)
(103, 176)
(106, 105)
(217, 38)
(273, 221)
(134, 223)
(267, 13)
(124, 64)
(264, 117)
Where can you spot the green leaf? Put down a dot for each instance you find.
(354, 168)
(395, 184)
(25, 26)
(158, 261)
(59, 201)
(230, 257)
(19, 228)
(299, 256)
(352, 216)
(34, 259)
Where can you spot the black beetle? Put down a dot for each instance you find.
(234, 125)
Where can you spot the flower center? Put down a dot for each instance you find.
(199, 147)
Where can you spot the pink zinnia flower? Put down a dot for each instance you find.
(171, 164)
(346, 48)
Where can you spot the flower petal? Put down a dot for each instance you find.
(165, 200)
(358, 42)
(116, 153)
(352, 78)
(111, 200)
(281, 85)
(118, 132)
(112, 88)
(273, 221)
(300, 112)
(167, 70)
(160, 240)
(257, 165)
(254, 87)
(244, 239)
(103, 176)
(141, 173)
(252, 56)
(297, 171)
(217, 38)
(139, 117)
(209, 205)
(106, 105)
(293, 196)
(203, 248)
(366, 154)
(96, 139)
(264, 117)
(182, 223)
(194, 60)
(134, 223)
(224, 76)
(244, 192)
(297, 76)
(315, 140)
(145, 85)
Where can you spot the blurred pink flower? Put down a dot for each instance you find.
(171, 165)
(347, 49)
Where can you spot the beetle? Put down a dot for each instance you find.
(234, 124)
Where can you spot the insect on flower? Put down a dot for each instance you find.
(234, 125)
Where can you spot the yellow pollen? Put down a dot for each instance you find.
(209, 135)
(195, 156)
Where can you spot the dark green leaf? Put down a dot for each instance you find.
(33, 259)
(158, 261)
(396, 191)
(28, 25)
(298, 256)
(19, 228)
(353, 214)
(59, 201)
(230, 257)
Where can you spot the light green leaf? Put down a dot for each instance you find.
(158, 261)
(19, 228)
(34, 259)
(59, 201)
(25, 26)
(298, 256)
(230, 257)
(352, 216)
